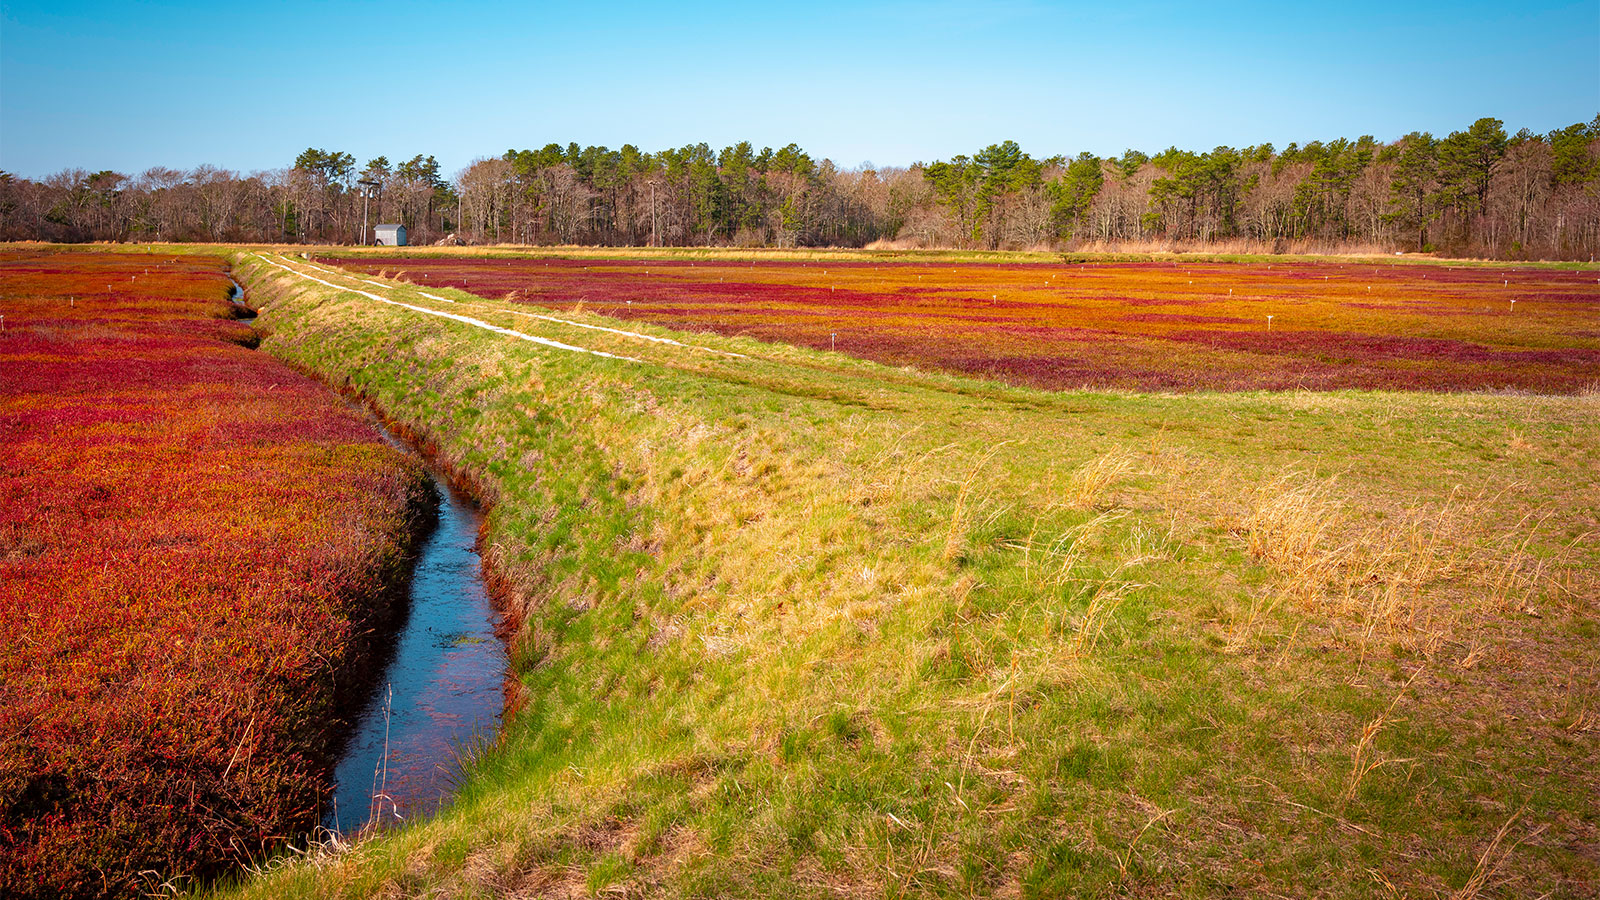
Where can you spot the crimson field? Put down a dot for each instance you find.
(194, 541)
(1167, 325)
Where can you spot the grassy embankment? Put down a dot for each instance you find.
(194, 542)
(794, 623)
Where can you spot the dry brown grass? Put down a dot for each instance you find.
(1234, 247)
(1090, 482)
(1363, 758)
(1245, 625)
(1288, 527)
(1104, 600)
(1423, 578)
(1494, 856)
(955, 537)
(1054, 563)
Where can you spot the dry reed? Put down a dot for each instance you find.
(955, 537)
(1363, 760)
(1094, 478)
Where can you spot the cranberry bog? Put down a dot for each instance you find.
(195, 541)
(1167, 325)
(795, 623)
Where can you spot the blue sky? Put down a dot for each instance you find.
(130, 85)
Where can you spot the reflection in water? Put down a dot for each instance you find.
(443, 686)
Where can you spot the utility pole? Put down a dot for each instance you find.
(366, 194)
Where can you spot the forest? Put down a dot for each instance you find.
(1475, 192)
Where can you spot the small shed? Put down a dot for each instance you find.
(390, 235)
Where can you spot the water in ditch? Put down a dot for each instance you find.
(441, 690)
(236, 297)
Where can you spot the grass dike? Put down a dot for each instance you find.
(788, 622)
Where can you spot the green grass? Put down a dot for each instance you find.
(798, 625)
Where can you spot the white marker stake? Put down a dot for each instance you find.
(1269, 323)
(831, 337)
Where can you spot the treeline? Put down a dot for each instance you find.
(321, 198)
(1477, 192)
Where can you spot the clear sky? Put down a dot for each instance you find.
(128, 85)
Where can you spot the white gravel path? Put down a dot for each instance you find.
(467, 320)
(631, 334)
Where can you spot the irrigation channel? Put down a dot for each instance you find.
(443, 687)
(236, 297)
(443, 682)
